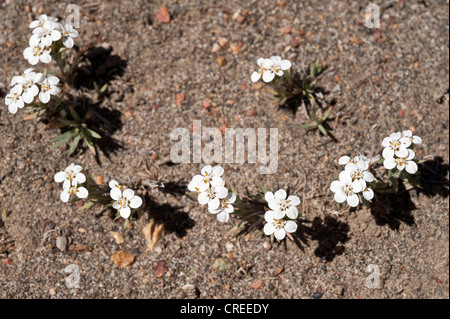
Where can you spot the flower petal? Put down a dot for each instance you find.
(353, 200)
(291, 226)
(280, 194)
(128, 193)
(125, 212)
(223, 217)
(136, 202)
(115, 193)
(60, 177)
(280, 233)
(269, 229)
(82, 192)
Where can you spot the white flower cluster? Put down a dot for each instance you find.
(124, 199)
(31, 87)
(47, 30)
(398, 153)
(281, 218)
(269, 68)
(353, 181)
(211, 191)
(72, 179)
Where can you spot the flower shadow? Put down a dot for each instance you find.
(330, 234)
(98, 67)
(433, 178)
(174, 219)
(393, 209)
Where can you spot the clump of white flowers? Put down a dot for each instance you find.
(78, 184)
(48, 39)
(281, 219)
(398, 151)
(353, 181)
(357, 184)
(210, 189)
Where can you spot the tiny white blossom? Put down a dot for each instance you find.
(124, 201)
(72, 174)
(34, 54)
(115, 184)
(43, 20)
(413, 138)
(212, 175)
(282, 206)
(19, 79)
(212, 196)
(45, 35)
(280, 65)
(402, 163)
(14, 99)
(265, 71)
(278, 227)
(198, 184)
(48, 88)
(68, 33)
(358, 172)
(74, 189)
(345, 189)
(344, 160)
(29, 87)
(225, 208)
(395, 144)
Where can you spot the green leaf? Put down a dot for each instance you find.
(75, 115)
(74, 144)
(90, 144)
(94, 134)
(322, 129)
(68, 122)
(310, 125)
(62, 139)
(326, 114)
(103, 89)
(88, 205)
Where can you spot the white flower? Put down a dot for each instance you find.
(276, 226)
(212, 196)
(396, 145)
(264, 71)
(80, 192)
(281, 205)
(29, 87)
(402, 163)
(48, 88)
(225, 208)
(68, 33)
(14, 99)
(409, 135)
(72, 174)
(358, 172)
(124, 201)
(34, 54)
(115, 184)
(344, 160)
(279, 65)
(18, 79)
(198, 184)
(45, 35)
(212, 176)
(44, 20)
(345, 189)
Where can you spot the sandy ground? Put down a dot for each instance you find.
(379, 81)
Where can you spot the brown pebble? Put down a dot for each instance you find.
(251, 112)
(285, 30)
(221, 61)
(163, 15)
